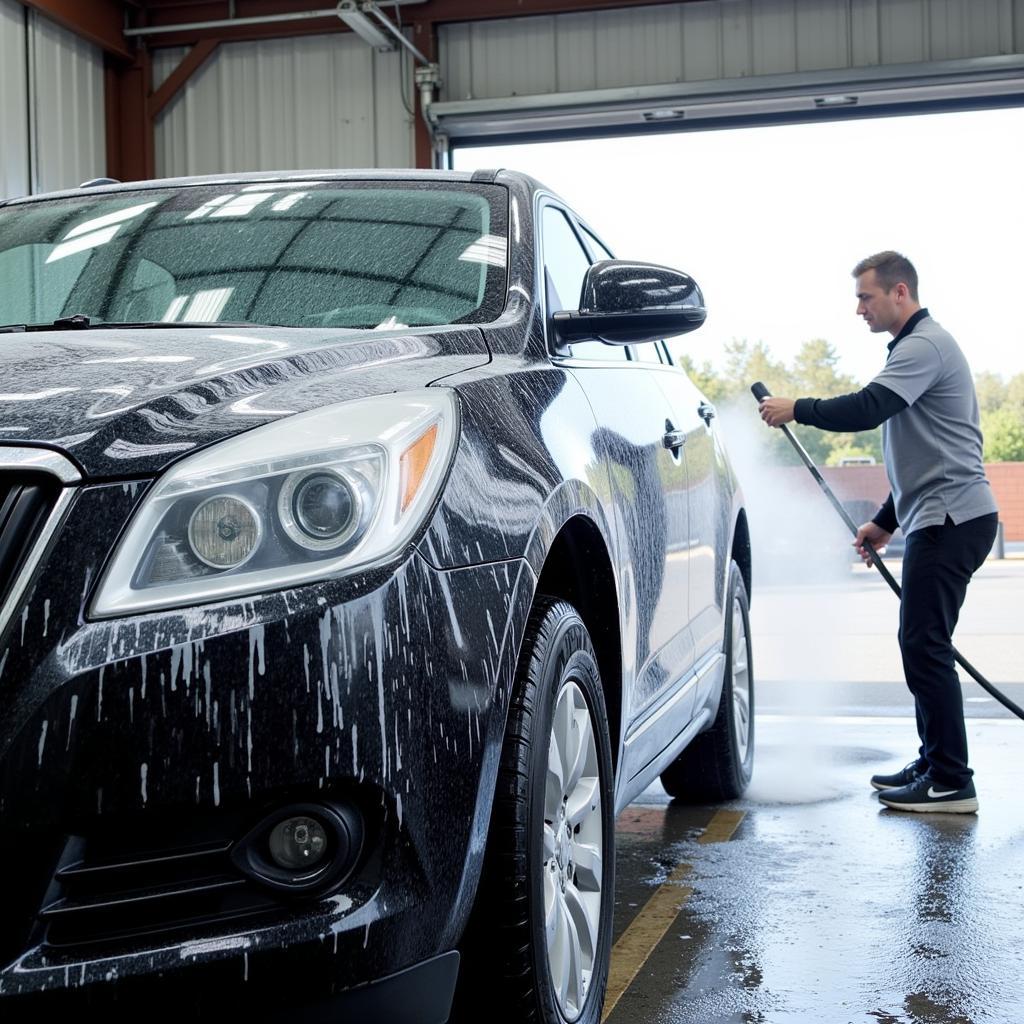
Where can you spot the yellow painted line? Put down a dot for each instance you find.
(649, 927)
(721, 827)
(644, 933)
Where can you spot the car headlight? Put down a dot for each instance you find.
(319, 494)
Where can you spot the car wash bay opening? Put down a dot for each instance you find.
(771, 219)
(785, 910)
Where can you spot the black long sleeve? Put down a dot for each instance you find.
(885, 517)
(860, 410)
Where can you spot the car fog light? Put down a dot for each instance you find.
(298, 843)
(224, 532)
(302, 848)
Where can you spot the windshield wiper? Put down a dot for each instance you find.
(81, 322)
(114, 325)
(75, 322)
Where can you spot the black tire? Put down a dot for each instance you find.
(714, 767)
(507, 972)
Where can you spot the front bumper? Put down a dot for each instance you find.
(135, 752)
(419, 994)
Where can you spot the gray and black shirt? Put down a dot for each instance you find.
(931, 436)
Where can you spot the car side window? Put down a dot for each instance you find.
(565, 262)
(597, 245)
(565, 266)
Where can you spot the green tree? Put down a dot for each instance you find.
(1002, 416)
(816, 371)
(816, 374)
(1015, 392)
(1003, 429)
(704, 376)
(745, 364)
(991, 390)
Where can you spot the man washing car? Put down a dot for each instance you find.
(932, 445)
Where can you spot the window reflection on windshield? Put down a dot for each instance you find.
(306, 254)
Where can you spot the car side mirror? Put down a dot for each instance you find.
(625, 302)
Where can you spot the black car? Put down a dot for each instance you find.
(362, 553)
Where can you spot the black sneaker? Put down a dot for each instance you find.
(925, 794)
(904, 777)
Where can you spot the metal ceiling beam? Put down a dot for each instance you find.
(440, 11)
(245, 33)
(167, 14)
(282, 18)
(425, 35)
(130, 139)
(100, 22)
(190, 64)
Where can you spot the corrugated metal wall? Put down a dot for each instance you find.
(696, 42)
(67, 101)
(311, 102)
(333, 101)
(52, 131)
(13, 101)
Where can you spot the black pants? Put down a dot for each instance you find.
(937, 566)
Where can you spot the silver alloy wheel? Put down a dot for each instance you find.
(740, 681)
(573, 849)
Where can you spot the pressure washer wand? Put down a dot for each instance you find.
(759, 391)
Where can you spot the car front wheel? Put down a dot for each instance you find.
(544, 912)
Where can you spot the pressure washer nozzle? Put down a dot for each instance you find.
(759, 391)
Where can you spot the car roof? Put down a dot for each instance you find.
(285, 178)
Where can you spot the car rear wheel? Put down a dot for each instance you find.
(719, 763)
(541, 936)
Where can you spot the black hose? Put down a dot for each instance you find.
(759, 391)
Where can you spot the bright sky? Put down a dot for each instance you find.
(770, 221)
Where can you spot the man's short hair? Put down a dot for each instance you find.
(890, 268)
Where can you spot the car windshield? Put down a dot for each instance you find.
(292, 254)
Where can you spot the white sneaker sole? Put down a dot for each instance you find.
(881, 787)
(969, 806)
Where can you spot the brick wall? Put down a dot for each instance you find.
(870, 482)
(1007, 479)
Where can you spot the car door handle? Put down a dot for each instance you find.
(673, 439)
(706, 411)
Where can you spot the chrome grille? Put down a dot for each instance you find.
(34, 497)
(25, 503)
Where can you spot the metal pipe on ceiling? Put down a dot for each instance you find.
(262, 19)
(393, 30)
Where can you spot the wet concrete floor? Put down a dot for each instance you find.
(824, 906)
(808, 900)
